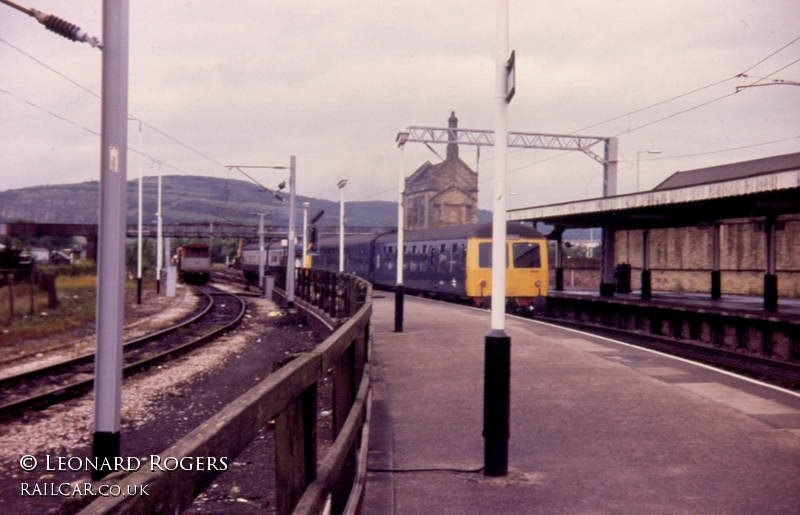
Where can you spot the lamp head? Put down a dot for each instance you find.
(342, 183)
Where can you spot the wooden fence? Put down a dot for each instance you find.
(289, 396)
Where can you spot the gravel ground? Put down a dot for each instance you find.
(155, 312)
(158, 408)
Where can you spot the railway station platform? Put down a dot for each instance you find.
(733, 304)
(597, 427)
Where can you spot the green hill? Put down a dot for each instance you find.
(184, 199)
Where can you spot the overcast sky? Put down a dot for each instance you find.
(332, 82)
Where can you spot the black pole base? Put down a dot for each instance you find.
(105, 446)
(716, 284)
(647, 292)
(399, 294)
(158, 286)
(559, 279)
(770, 292)
(139, 290)
(607, 289)
(496, 400)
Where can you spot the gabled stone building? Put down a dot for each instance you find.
(442, 194)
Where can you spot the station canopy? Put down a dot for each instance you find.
(768, 187)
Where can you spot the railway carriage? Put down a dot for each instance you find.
(194, 263)
(452, 262)
(275, 256)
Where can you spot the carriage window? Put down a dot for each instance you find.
(454, 258)
(443, 259)
(423, 259)
(527, 255)
(485, 255)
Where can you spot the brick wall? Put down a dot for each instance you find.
(680, 258)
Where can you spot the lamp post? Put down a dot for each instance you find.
(290, 265)
(341, 186)
(111, 237)
(399, 289)
(261, 257)
(638, 153)
(159, 236)
(497, 343)
(305, 233)
(139, 233)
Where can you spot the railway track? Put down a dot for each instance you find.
(67, 379)
(778, 372)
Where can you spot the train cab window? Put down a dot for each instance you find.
(527, 255)
(463, 257)
(485, 255)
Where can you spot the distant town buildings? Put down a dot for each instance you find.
(442, 194)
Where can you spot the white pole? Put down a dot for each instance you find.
(305, 232)
(292, 238)
(341, 227)
(261, 256)
(159, 235)
(401, 216)
(500, 150)
(111, 237)
(638, 153)
(139, 236)
(497, 343)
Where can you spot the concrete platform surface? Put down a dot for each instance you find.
(597, 427)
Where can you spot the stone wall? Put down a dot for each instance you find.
(681, 258)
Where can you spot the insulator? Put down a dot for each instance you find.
(62, 27)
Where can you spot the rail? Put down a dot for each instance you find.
(289, 397)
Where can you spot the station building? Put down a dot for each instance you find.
(732, 229)
(442, 194)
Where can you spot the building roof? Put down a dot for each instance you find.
(728, 172)
(747, 189)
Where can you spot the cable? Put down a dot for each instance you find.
(717, 151)
(770, 55)
(654, 105)
(57, 25)
(132, 117)
(90, 131)
(689, 92)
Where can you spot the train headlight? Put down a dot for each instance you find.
(538, 283)
(483, 283)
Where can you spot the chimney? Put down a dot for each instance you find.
(452, 148)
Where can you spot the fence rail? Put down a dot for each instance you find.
(289, 396)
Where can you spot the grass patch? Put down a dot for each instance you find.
(76, 308)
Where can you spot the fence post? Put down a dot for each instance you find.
(295, 450)
(10, 280)
(33, 291)
(344, 389)
(49, 281)
(333, 285)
